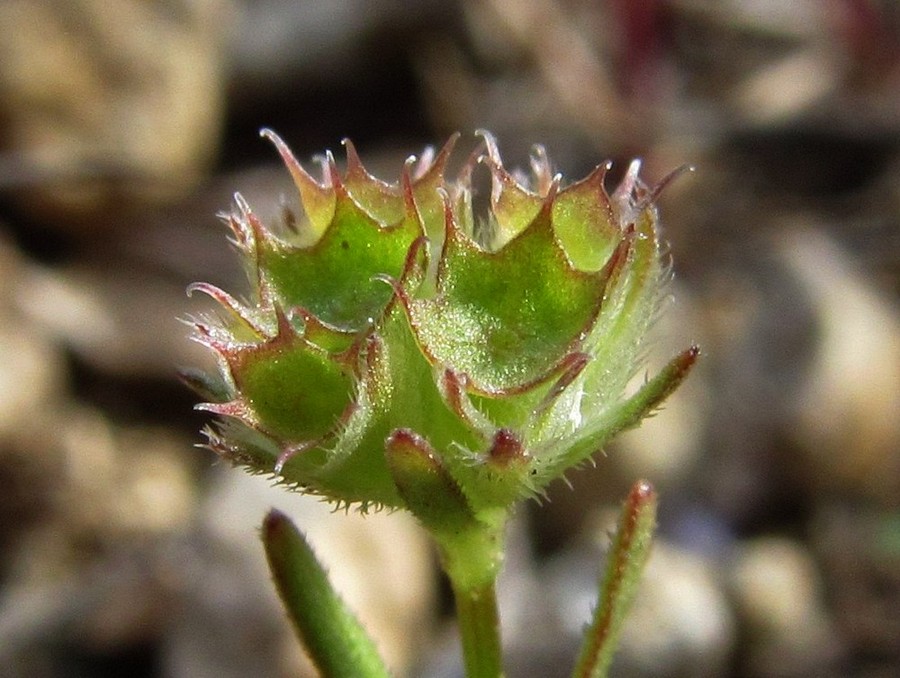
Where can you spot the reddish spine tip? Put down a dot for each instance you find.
(550, 196)
(408, 442)
(687, 359)
(334, 176)
(285, 328)
(354, 164)
(506, 447)
(290, 452)
(641, 492)
(439, 161)
(667, 180)
(406, 188)
(274, 522)
(404, 436)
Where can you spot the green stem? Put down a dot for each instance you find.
(472, 556)
(470, 544)
(479, 627)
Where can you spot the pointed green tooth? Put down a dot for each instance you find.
(378, 199)
(318, 199)
(246, 318)
(513, 207)
(584, 221)
(426, 184)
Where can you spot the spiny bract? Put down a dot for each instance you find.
(397, 349)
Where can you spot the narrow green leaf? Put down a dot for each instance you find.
(335, 640)
(627, 557)
(624, 415)
(649, 397)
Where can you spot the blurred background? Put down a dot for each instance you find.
(125, 127)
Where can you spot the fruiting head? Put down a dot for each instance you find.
(398, 350)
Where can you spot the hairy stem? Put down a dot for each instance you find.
(479, 627)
